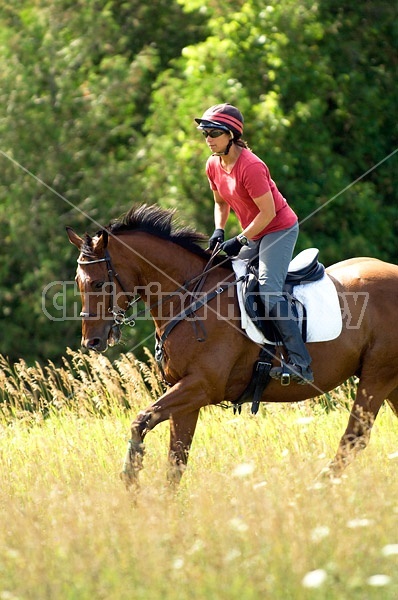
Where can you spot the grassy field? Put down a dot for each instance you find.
(250, 521)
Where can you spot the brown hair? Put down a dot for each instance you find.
(242, 143)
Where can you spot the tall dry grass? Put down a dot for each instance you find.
(251, 519)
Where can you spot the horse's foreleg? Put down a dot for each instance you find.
(133, 461)
(181, 405)
(182, 429)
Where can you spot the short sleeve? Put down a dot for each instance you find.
(210, 176)
(256, 179)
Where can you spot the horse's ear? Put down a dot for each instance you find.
(102, 240)
(74, 238)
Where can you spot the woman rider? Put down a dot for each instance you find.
(241, 180)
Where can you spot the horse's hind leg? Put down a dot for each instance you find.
(393, 401)
(369, 398)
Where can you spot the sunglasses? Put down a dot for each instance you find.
(214, 133)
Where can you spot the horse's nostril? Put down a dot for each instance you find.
(92, 344)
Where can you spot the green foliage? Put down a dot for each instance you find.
(97, 108)
(311, 114)
(76, 83)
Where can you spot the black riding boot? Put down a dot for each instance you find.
(299, 360)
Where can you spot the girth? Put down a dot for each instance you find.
(258, 382)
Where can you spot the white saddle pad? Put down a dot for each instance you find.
(320, 298)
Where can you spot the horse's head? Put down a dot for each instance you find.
(94, 278)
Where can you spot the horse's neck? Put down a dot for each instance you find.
(168, 270)
(158, 268)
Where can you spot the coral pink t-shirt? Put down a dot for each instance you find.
(250, 178)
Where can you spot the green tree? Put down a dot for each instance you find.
(76, 84)
(312, 114)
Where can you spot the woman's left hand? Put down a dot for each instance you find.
(231, 247)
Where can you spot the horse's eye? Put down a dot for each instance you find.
(98, 285)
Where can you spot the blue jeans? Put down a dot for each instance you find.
(275, 252)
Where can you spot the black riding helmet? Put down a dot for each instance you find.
(225, 117)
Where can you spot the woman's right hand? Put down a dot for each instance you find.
(216, 238)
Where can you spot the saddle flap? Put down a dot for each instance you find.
(256, 310)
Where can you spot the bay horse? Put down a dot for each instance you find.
(206, 358)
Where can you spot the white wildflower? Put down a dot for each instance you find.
(336, 480)
(318, 485)
(390, 550)
(178, 563)
(304, 420)
(319, 533)
(354, 523)
(243, 470)
(259, 485)
(392, 455)
(233, 554)
(314, 579)
(196, 547)
(238, 524)
(378, 580)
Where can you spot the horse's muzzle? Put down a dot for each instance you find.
(103, 339)
(97, 344)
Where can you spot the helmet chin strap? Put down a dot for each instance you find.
(227, 148)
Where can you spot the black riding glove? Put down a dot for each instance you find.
(231, 247)
(216, 238)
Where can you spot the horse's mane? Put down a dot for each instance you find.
(157, 221)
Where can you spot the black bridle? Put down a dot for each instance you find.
(119, 314)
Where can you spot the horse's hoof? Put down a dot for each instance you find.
(129, 480)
